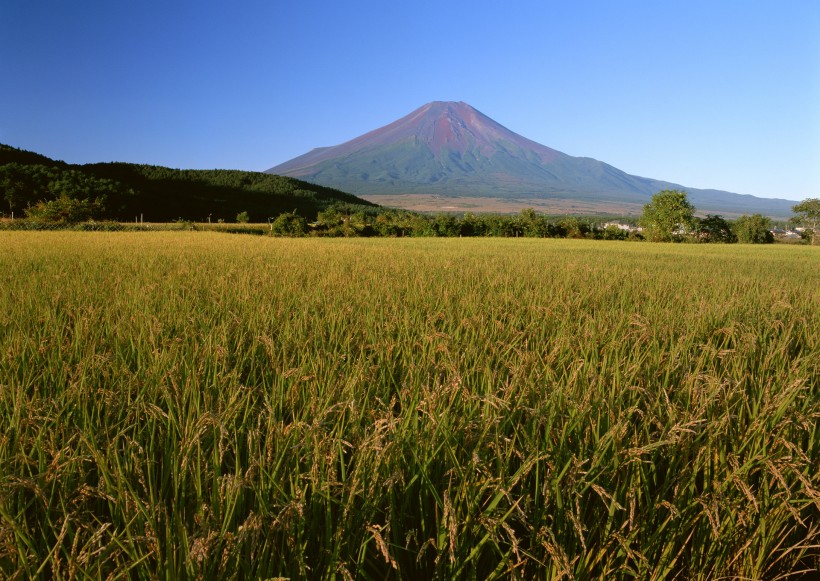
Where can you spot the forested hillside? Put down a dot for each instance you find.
(36, 186)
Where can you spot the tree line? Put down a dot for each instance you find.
(339, 221)
(670, 217)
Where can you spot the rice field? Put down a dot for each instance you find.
(200, 405)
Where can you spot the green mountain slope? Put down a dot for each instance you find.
(159, 193)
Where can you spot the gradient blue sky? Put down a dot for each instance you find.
(708, 94)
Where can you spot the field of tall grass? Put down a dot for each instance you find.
(201, 405)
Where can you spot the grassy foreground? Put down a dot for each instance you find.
(199, 405)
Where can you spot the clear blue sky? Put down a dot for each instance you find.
(719, 93)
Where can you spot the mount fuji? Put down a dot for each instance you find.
(450, 150)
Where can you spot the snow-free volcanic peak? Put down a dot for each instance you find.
(450, 149)
(443, 127)
(452, 127)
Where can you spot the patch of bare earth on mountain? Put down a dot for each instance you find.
(434, 203)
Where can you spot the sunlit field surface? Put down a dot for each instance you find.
(205, 405)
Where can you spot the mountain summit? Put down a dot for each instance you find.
(438, 148)
(441, 128)
(451, 149)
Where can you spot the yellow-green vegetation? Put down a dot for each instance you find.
(200, 405)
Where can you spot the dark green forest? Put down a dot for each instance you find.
(38, 187)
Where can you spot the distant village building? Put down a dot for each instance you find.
(792, 234)
(620, 226)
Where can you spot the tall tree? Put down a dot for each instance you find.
(291, 224)
(17, 186)
(669, 216)
(754, 229)
(714, 228)
(808, 215)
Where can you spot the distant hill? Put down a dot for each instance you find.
(162, 194)
(452, 150)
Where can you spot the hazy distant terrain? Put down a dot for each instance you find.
(482, 204)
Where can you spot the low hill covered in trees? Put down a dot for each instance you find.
(37, 186)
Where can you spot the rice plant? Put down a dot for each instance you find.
(199, 405)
